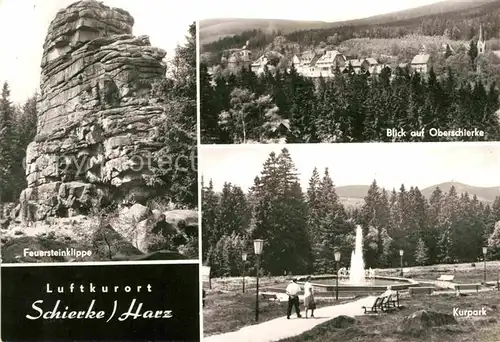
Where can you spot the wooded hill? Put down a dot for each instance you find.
(486, 195)
(458, 20)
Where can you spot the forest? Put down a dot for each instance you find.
(302, 228)
(349, 107)
(459, 25)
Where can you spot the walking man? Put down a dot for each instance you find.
(292, 290)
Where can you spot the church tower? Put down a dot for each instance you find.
(481, 42)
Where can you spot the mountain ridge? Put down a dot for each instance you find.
(356, 193)
(216, 28)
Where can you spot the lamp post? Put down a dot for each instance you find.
(337, 259)
(258, 244)
(401, 252)
(485, 250)
(244, 258)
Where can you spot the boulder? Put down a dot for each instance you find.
(185, 221)
(110, 245)
(96, 113)
(420, 321)
(342, 322)
(139, 212)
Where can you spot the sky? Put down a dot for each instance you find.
(320, 10)
(24, 24)
(417, 164)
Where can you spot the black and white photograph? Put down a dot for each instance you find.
(98, 133)
(394, 71)
(344, 242)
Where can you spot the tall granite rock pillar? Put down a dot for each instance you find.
(95, 136)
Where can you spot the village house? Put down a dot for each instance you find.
(374, 67)
(421, 63)
(358, 65)
(326, 65)
(304, 64)
(238, 58)
(258, 66)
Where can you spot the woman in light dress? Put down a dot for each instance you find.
(309, 302)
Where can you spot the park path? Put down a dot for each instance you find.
(280, 328)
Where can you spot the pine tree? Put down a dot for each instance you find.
(313, 205)
(281, 216)
(8, 144)
(331, 226)
(208, 109)
(178, 129)
(210, 208)
(473, 52)
(494, 241)
(421, 253)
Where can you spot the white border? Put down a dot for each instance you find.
(198, 144)
(412, 143)
(103, 263)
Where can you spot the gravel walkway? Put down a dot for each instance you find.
(280, 328)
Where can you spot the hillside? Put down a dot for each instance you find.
(486, 195)
(455, 19)
(439, 8)
(214, 29)
(353, 195)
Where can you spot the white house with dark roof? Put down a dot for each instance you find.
(374, 67)
(327, 64)
(421, 63)
(305, 63)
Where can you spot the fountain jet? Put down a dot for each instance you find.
(357, 272)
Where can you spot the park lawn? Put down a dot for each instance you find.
(226, 312)
(385, 327)
(464, 273)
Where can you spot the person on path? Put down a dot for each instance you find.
(292, 290)
(309, 302)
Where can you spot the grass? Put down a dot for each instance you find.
(225, 312)
(227, 309)
(386, 327)
(464, 273)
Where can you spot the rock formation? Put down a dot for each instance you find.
(95, 137)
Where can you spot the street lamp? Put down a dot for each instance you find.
(337, 259)
(244, 258)
(485, 250)
(258, 244)
(401, 252)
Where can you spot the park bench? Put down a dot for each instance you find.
(376, 307)
(459, 287)
(394, 300)
(420, 290)
(446, 277)
(269, 296)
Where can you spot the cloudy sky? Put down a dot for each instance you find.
(306, 10)
(419, 164)
(24, 23)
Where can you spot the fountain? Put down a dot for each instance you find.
(357, 272)
(359, 279)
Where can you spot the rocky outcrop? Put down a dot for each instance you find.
(96, 138)
(422, 320)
